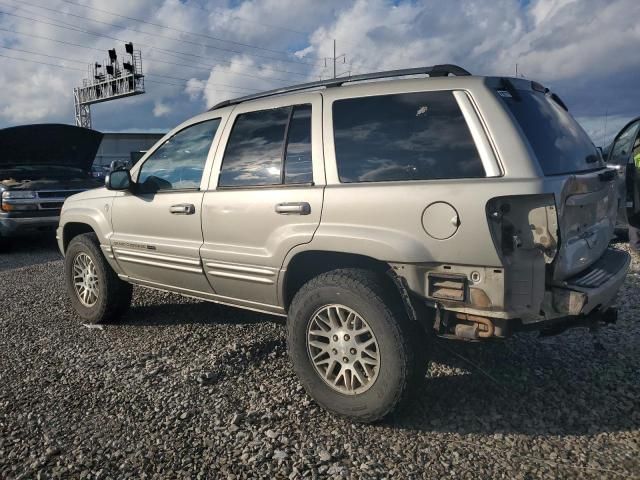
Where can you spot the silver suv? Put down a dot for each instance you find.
(372, 214)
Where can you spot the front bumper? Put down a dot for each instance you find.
(15, 226)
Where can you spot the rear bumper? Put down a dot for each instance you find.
(595, 288)
(583, 299)
(11, 227)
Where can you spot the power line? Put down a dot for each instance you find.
(73, 27)
(266, 25)
(176, 29)
(166, 52)
(238, 89)
(196, 34)
(132, 30)
(43, 54)
(237, 17)
(43, 63)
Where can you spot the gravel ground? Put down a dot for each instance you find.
(186, 389)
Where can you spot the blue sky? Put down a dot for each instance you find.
(199, 52)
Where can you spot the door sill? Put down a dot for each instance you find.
(209, 297)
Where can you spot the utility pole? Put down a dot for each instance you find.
(335, 59)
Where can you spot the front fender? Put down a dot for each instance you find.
(96, 213)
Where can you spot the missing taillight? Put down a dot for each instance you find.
(526, 222)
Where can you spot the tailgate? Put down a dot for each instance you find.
(587, 211)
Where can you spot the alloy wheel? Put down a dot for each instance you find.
(343, 349)
(85, 279)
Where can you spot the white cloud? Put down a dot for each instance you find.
(304, 52)
(231, 81)
(160, 109)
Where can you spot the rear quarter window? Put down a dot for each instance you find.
(409, 136)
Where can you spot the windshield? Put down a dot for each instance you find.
(558, 141)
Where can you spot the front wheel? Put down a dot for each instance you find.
(95, 290)
(352, 346)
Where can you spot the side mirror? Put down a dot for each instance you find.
(118, 180)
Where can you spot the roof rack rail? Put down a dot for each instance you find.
(433, 71)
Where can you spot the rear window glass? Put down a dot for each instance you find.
(410, 136)
(558, 141)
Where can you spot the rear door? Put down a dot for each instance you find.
(264, 198)
(157, 231)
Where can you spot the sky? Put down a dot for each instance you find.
(196, 53)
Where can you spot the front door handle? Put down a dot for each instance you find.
(295, 208)
(183, 209)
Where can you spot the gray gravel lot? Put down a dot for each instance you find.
(186, 389)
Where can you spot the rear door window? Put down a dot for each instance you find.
(409, 136)
(558, 141)
(297, 163)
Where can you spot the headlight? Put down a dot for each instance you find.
(18, 194)
(18, 200)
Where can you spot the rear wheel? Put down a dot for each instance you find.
(352, 346)
(95, 290)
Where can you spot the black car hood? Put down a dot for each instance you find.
(49, 144)
(74, 183)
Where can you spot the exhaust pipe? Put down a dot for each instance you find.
(473, 327)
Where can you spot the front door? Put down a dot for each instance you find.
(265, 197)
(157, 231)
(625, 158)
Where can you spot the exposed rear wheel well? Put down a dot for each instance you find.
(306, 265)
(72, 230)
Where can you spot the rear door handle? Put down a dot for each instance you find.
(183, 209)
(295, 208)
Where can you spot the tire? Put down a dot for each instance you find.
(112, 295)
(401, 344)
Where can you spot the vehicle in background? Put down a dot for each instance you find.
(624, 156)
(99, 172)
(40, 166)
(373, 212)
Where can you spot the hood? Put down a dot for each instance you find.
(71, 183)
(49, 144)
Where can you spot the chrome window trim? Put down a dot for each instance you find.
(479, 134)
